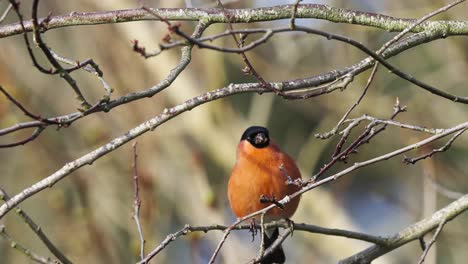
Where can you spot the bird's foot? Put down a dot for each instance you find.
(253, 228)
(290, 224)
(271, 199)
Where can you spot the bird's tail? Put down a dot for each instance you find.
(277, 256)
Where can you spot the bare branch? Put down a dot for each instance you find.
(434, 237)
(226, 233)
(358, 101)
(292, 22)
(33, 136)
(90, 66)
(289, 85)
(261, 251)
(5, 13)
(137, 202)
(46, 50)
(27, 252)
(407, 160)
(411, 233)
(38, 231)
(374, 70)
(103, 105)
(280, 224)
(273, 246)
(315, 11)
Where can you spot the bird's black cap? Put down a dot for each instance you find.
(257, 136)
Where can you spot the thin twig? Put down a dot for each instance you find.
(261, 251)
(240, 43)
(137, 202)
(292, 22)
(5, 13)
(24, 110)
(21, 142)
(226, 233)
(42, 122)
(90, 66)
(432, 241)
(364, 137)
(164, 243)
(408, 160)
(27, 252)
(358, 101)
(273, 246)
(37, 230)
(46, 50)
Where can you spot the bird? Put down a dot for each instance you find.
(262, 169)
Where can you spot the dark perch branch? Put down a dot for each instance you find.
(39, 128)
(21, 142)
(46, 50)
(280, 224)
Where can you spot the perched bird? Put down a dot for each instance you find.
(262, 169)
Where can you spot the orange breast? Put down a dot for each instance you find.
(257, 173)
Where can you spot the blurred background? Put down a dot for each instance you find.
(184, 164)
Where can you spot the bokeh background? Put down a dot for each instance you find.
(184, 164)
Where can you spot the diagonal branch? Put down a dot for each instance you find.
(5, 13)
(46, 50)
(434, 151)
(434, 237)
(27, 252)
(38, 231)
(411, 233)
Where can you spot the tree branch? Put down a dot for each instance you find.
(280, 224)
(216, 15)
(137, 201)
(38, 231)
(14, 244)
(411, 233)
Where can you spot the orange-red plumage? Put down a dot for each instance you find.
(258, 173)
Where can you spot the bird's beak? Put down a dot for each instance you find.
(260, 138)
